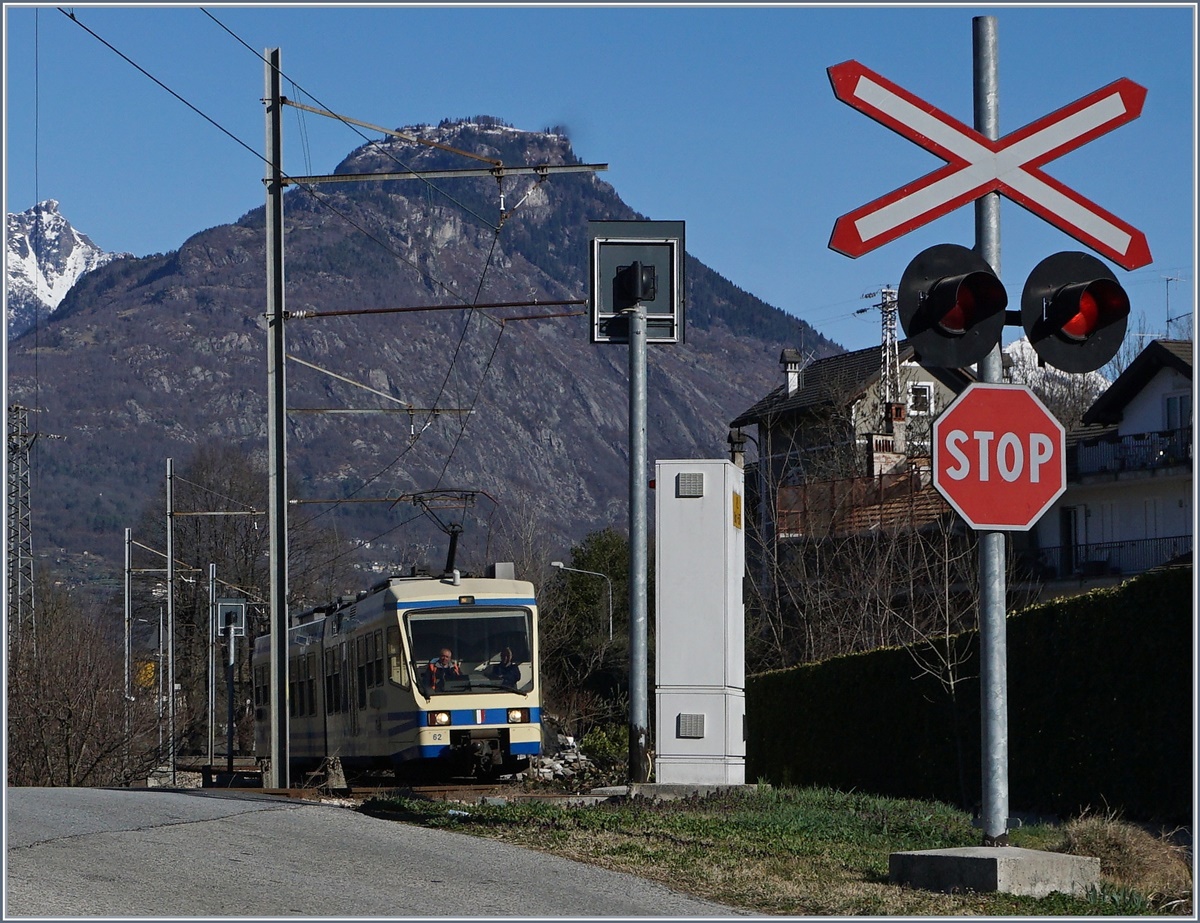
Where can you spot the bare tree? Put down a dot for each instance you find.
(219, 498)
(69, 722)
(1066, 395)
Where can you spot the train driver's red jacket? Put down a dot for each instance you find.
(438, 674)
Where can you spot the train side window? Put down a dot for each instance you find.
(397, 667)
(378, 658)
(292, 671)
(361, 671)
(333, 684)
(310, 680)
(301, 699)
(370, 662)
(261, 687)
(344, 670)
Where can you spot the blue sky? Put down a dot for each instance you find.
(722, 117)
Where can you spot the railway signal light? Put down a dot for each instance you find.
(1074, 312)
(951, 306)
(634, 283)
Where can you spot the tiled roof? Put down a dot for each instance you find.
(837, 381)
(834, 380)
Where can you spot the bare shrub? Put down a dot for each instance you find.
(1132, 857)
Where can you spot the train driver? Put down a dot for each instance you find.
(439, 668)
(507, 672)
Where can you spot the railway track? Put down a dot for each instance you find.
(459, 793)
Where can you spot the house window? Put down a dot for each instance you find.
(920, 398)
(1178, 410)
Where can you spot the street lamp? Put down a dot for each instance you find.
(561, 566)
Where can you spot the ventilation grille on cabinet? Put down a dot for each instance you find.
(691, 725)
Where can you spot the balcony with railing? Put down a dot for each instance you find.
(1101, 559)
(1138, 452)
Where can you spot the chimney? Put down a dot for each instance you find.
(792, 372)
(897, 419)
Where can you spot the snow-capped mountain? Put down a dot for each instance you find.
(46, 255)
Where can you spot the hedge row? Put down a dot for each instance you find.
(1100, 711)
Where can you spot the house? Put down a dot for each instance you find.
(849, 546)
(843, 418)
(1128, 504)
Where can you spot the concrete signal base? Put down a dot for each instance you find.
(1007, 869)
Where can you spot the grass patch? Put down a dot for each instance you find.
(815, 851)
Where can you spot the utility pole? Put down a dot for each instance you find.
(639, 721)
(171, 616)
(277, 775)
(1170, 320)
(21, 615)
(276, 181)
(993, 589)
(890, 364)
(20, 532)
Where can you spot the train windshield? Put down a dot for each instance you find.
(456, 652)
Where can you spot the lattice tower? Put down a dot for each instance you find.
(20, 533)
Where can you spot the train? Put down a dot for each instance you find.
(424, 676)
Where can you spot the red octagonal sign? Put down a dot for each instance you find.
(999, 457)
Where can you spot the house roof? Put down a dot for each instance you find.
(1158, 355)
(838, 381)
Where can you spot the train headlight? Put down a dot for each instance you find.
(518, 716)
(439, 719)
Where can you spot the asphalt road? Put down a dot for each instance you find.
(208, 853)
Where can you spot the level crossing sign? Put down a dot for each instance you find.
(976, 166)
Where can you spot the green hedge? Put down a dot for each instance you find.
(1100, 712)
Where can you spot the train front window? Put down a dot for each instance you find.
(490, 650)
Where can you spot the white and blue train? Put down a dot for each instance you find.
(426, 676)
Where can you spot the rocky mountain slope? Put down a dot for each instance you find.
(152, 358)
(46, 256)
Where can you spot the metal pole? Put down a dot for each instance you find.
(638, 719)
(171, 614)
(212, 664)
(229, 724)
(610, 610)
(992, 586)
(128, 642)
(159, 671)
(277, 775)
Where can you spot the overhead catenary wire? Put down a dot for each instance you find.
(342, 215)
(349, 123)
(307, 189)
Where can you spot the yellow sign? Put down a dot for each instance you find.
(144, 678)
(737, 510)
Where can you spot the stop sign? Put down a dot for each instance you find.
(999, 457)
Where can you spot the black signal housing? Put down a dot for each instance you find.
(1074, 312)
(951, 306)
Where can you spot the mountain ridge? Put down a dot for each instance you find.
(148, 358)
(46, 257)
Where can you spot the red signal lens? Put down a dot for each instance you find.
(961, 313)
(976, 296)
(1101, 303)
(1085, 322)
